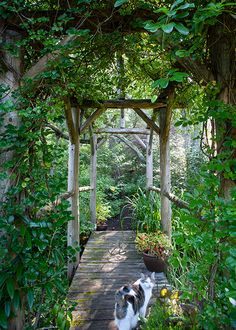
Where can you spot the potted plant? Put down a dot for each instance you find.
(156, 248)
(103, 211)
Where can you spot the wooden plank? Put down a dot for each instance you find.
(85, 188)
(107, 263)
(123, 104)
(148, 120)
(165, 176)
(97, 113)
(93, 177)
(73, 116)
(149, 161)
(122, 131)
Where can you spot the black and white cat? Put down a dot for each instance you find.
(131, 302)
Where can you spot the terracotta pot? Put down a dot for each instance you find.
(102, 227)
(154, 264)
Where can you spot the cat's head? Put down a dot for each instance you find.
(147, 282)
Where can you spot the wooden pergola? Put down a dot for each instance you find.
(162, 108)
(77, 127)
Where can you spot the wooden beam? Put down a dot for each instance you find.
(85, 188)
(91, 119)
(70, 121)
(148, 120)
(140, 142)
(165, 179)
(173, 198)
(73, 178)
(123, 131)
(121, 104)
(149, 161)
(93, 177)
(132, 147)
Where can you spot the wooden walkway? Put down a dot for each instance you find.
(109, 261)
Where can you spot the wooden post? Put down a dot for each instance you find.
(72, 117)
(93, 177)
(10, 74)
(165, 180)
(122, 118)
(149, 161)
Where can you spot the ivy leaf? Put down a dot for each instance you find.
(7, 308)
(152, 27)
(186, 5)
(153, 98)
(16, 300)
(3, 278)
(176, 3)
(167, 28)
(3, 320)
(182, 53)
(164, 10)
(10, 287)
(181, 28)
(162, 83)
(30, 298)
(118, 3)
(178, 76)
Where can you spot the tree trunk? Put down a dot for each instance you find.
(222, 45)
(10, 76)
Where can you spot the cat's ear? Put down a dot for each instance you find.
(153, 276)
(143, 278)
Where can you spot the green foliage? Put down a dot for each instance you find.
(203, 265)
(154, 243)
(146, 211)
(103, 212)
(33, 272)
(168, 317)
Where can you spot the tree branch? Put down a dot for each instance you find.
(58, 131)
(51, 206)
(131, 146)
(176, 200)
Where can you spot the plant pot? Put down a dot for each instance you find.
(154, 264)
(102, 227)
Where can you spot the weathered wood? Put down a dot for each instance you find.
(149, 121)
(85, 188)
(122, 131)
(73, 132)
(10, 73)
(73, 178)
(122, 118)
(95, 282)
(165, 183)
(93, 178)
(51, 206)
(97, 113)
(58, 131)
(149, 161)
(131, 146)
(140, 142)
(122, 104)
(176, 200)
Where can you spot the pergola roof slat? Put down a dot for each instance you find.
(121, 104)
